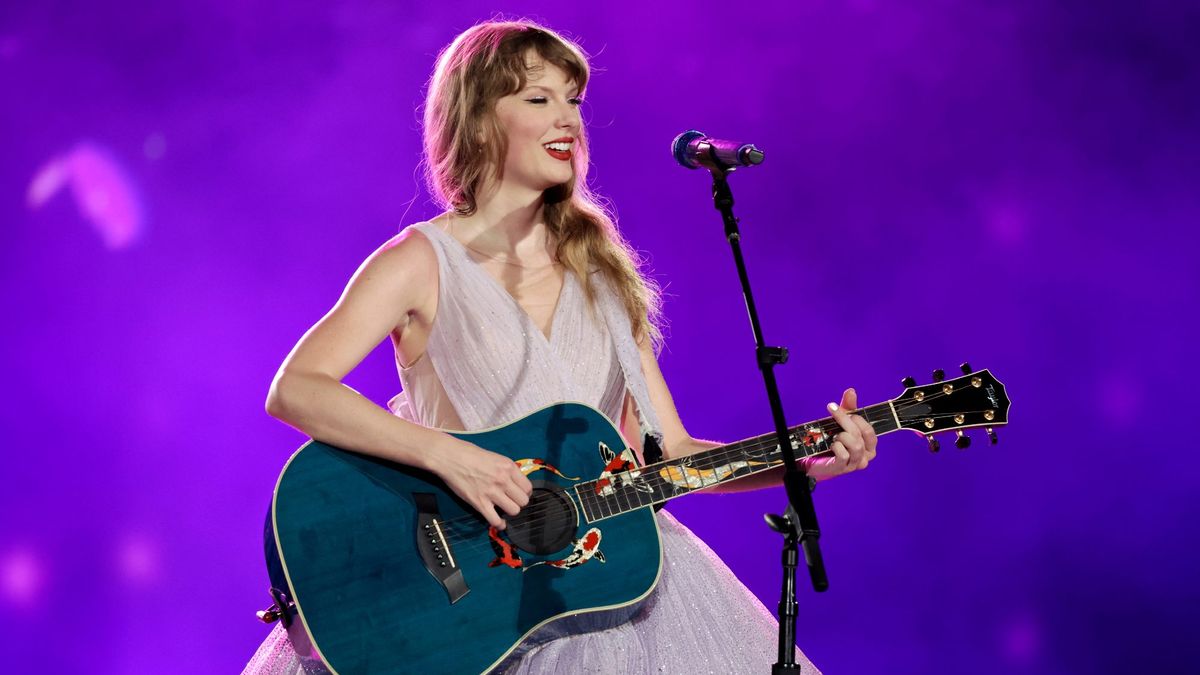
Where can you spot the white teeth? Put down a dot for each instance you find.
(561, 147)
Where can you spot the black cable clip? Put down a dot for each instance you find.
(772, 356)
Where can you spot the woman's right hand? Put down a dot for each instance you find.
(484, 479)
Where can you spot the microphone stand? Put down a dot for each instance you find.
(798, 525)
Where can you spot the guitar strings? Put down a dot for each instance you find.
(734, 450)
(626, 493)
(626, 490)
(767, 441)
(468, 541)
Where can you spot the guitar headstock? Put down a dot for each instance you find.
(976, 399)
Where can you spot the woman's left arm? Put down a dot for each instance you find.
(853, 447)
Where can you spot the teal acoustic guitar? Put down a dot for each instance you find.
(388, 571)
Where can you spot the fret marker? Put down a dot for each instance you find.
(691, 478)
(812, 436)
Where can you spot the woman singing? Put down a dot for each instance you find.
(523, 294)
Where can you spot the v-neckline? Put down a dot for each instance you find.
(558, 303)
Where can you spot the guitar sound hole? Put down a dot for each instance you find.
(546, 524)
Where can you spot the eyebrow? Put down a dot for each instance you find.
(551, 91)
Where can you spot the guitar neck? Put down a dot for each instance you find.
(662, 481)
(974, 400)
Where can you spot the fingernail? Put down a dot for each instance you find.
(832, 407)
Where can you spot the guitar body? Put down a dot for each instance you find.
(356, 541)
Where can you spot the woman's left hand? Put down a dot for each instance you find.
(853, 448)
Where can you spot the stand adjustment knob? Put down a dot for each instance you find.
(772, 356)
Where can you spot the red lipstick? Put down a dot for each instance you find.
(564, 155)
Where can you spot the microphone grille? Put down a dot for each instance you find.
(679, 148)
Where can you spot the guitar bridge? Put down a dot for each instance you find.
(434, 548)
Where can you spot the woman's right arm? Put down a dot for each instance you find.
(395, 290)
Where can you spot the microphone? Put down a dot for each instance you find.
(693, 150)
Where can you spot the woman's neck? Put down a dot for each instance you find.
(505, 224)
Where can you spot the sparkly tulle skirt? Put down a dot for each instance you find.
(700, 619)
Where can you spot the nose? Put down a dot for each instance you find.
(568, 116)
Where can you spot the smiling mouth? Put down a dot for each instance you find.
(560, 150)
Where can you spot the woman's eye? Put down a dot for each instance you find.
(574, 100)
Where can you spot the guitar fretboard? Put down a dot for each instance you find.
(657, 483)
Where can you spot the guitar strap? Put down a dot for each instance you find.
(630, 359)
(651, 453)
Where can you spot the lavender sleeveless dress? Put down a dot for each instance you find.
(486, 364)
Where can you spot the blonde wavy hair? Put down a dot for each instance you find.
(464, 140)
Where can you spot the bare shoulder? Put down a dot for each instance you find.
(395, 284)
(398, 279)
(407, 254)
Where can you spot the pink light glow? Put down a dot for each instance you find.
(21, 577)
(155, 146)
(103, 192)
(1007, 223)
(138, 560)
(1019, 639)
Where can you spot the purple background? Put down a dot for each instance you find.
(185, 189)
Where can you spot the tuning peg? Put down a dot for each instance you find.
(939, 375)
(992, 435)
(908, 382)
(963, 441)
(934, 446)
(966, 368)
